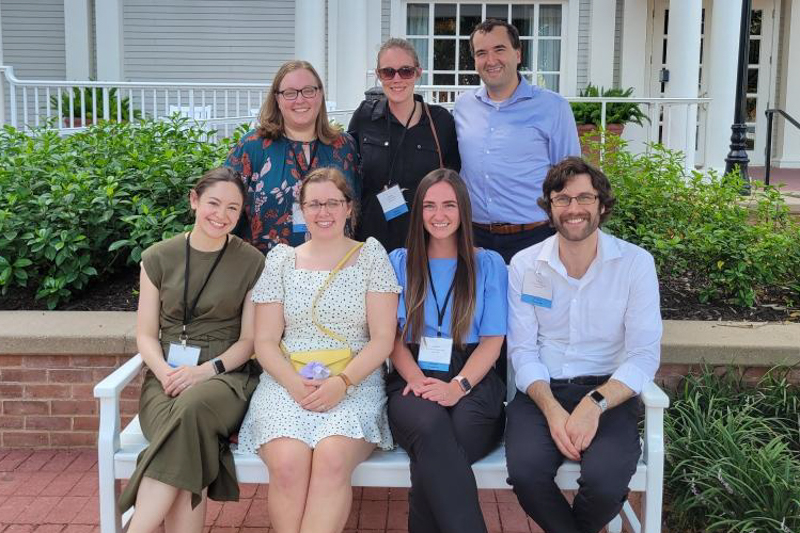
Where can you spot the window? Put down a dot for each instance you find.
(440, 34)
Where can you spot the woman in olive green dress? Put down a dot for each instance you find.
(196, 339)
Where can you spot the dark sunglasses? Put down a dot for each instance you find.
(387, 73)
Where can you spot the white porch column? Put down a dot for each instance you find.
(601, 59)
(683, 56)
(789, 144)
(722, 62)
(2, 82)
(633, 65)
(309, 34)
(76, 39)
(353, 53)
(109, 29)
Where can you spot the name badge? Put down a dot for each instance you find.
(392, 202)
(180, 355)
(298, 221)
(537, 290)
(435, 353)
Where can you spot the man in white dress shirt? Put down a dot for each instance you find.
(584, 336)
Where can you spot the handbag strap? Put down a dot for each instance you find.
(435, 136)
(330, 277)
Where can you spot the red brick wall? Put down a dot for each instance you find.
(46, 401)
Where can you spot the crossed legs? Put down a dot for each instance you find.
(309, 489)
(156, 502)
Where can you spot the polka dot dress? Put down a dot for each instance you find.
(273, 413)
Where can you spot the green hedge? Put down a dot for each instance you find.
(83, 206)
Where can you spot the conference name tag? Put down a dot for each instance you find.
(298, 221)
(537, 290)
(182, 355)
(435, 353)
(392, 202)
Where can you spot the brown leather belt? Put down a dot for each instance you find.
(502, 228)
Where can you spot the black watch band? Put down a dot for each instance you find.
(219, 366)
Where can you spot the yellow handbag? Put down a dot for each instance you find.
(335, 359)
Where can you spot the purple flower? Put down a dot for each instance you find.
(315, 370)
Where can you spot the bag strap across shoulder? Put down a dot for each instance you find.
(435, 136)
(328, 280)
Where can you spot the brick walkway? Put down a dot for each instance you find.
(51, 491)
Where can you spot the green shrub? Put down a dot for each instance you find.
(74, 108)
(616, 112)
(730, 466)
(85, 205)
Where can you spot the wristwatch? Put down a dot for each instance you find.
(219, 367)
(599, 400)
(464, 383)
(349, 388)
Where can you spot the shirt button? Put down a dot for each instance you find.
(487, 151)
(419, 147)
(491, 129)
(487, 176)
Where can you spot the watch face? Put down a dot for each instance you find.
(219, 366)
(597, 396)
(465, 384)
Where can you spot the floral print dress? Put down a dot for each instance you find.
(272, 171)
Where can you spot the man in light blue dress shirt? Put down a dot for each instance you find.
(509, 135)
(584, 336)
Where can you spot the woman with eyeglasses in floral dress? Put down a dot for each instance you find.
(400, 139)
(292, 138)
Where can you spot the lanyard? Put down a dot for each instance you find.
(312, 154)
(402, 138)
(187, 311)
(440, 310)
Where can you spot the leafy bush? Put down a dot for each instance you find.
(732, 462)
(85, 205)
(700, 230)
(73, 109)
(616, 112)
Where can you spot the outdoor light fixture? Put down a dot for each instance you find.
(738, 154)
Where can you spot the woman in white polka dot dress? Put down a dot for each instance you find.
(312, 433)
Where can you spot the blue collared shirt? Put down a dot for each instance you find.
(508, 147)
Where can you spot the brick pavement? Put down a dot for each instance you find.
(52, 491)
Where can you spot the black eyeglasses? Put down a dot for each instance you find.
(562, 200)
(387, 73)
(308, 92)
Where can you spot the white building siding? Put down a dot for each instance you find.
(618, 41)
(33, 38)
(386, 11)
(584, 28)
(207, 40)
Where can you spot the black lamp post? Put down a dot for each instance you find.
(738, 154)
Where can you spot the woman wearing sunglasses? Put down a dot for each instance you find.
(292, 138)
(400, 139)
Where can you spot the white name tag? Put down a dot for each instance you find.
(435, 353)
(537, 290)
(392, 202)
(180, 355)
(298, 221)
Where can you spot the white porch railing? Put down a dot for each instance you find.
(72, 105)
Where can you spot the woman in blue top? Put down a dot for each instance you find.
(445, 398)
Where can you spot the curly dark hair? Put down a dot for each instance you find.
(560, 174)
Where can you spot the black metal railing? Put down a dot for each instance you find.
(768, 150)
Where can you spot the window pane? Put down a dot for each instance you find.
(470, 17)
(421, 46)
(751, 110)
(755, 52)
(750, 141)
(550, 21)
(527, 55)
(469, 79)
(752, 80)
(444, 79)
(755, 22)
(444, 19)
(444, 54)
(548, 81)
(417, 21)
(549, 55)
(497, 11)
(522, 18)
(465, 59)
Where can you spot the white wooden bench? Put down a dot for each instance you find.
(118, 449)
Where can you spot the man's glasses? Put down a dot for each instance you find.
(331, 205)
(562, 200)
(387, 73)
(308, 92)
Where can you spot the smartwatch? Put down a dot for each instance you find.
(464, 383)
(599, 400)
(219, 367)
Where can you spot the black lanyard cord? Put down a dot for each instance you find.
(440, 310)
(394, 154)
(187, 311)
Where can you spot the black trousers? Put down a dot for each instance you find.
(442, 443)
(508, 245)
(607, 465)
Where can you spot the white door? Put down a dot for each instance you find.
(760, 75)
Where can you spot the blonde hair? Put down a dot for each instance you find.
(403, 45)
(270, 120)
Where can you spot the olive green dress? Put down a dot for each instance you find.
(189, 433)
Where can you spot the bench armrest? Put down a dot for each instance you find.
(653, 396)
(112, 385)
